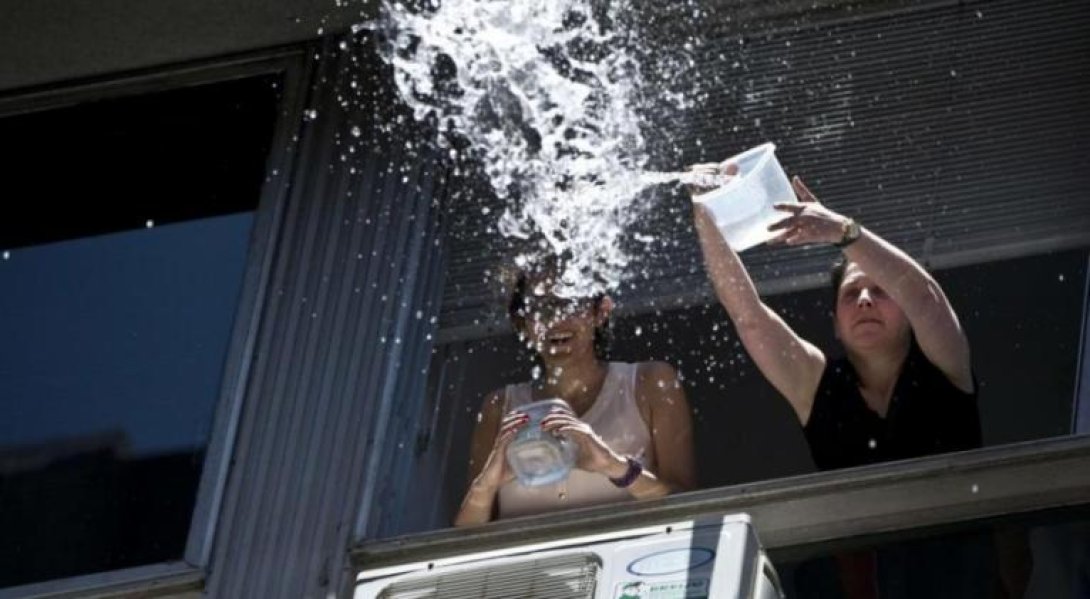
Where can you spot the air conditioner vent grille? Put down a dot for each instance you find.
(572, 576)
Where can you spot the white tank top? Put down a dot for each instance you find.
(616, 418)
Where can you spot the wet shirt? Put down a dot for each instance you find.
(927, 415)
(615, 417)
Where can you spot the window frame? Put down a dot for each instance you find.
(189, 572)
(797, 517)
(807, 513)
(1080, 417)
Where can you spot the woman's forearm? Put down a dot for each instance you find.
(733, 286)
(649, 486)
(646, 486)
(477, 506)
(893, 270)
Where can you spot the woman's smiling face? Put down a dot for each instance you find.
(560, 329)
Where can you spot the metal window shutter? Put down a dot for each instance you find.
(957, 131)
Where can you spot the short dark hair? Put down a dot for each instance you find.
(519, 279)
(516, 279)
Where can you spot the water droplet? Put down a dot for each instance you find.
(639, 331)
(7, 255)
(1061, 277)
(310, 114)
(975, 488)
(872, 444)
(356, 131)
(592, 120)
(149, 223)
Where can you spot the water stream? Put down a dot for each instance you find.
(546, 96)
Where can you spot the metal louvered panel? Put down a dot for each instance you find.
(957, 131)
(559, 577)
(344, 330)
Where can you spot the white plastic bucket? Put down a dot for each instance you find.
(743, 208)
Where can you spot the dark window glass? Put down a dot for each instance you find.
(120, 283)
(1043, 555)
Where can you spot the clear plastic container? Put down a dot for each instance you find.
(743, 208)
(539, 457)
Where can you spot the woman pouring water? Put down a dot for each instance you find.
(629, 424)
(904, 387)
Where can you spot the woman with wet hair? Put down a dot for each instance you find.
(630, 423)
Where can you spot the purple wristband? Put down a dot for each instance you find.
(630, 475)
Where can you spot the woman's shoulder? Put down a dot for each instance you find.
(654, 371)
(653, 380)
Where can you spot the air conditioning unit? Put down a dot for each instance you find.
(717, 558)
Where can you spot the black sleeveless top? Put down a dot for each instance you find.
(927, 415)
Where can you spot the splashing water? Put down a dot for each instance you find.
(546, 93)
